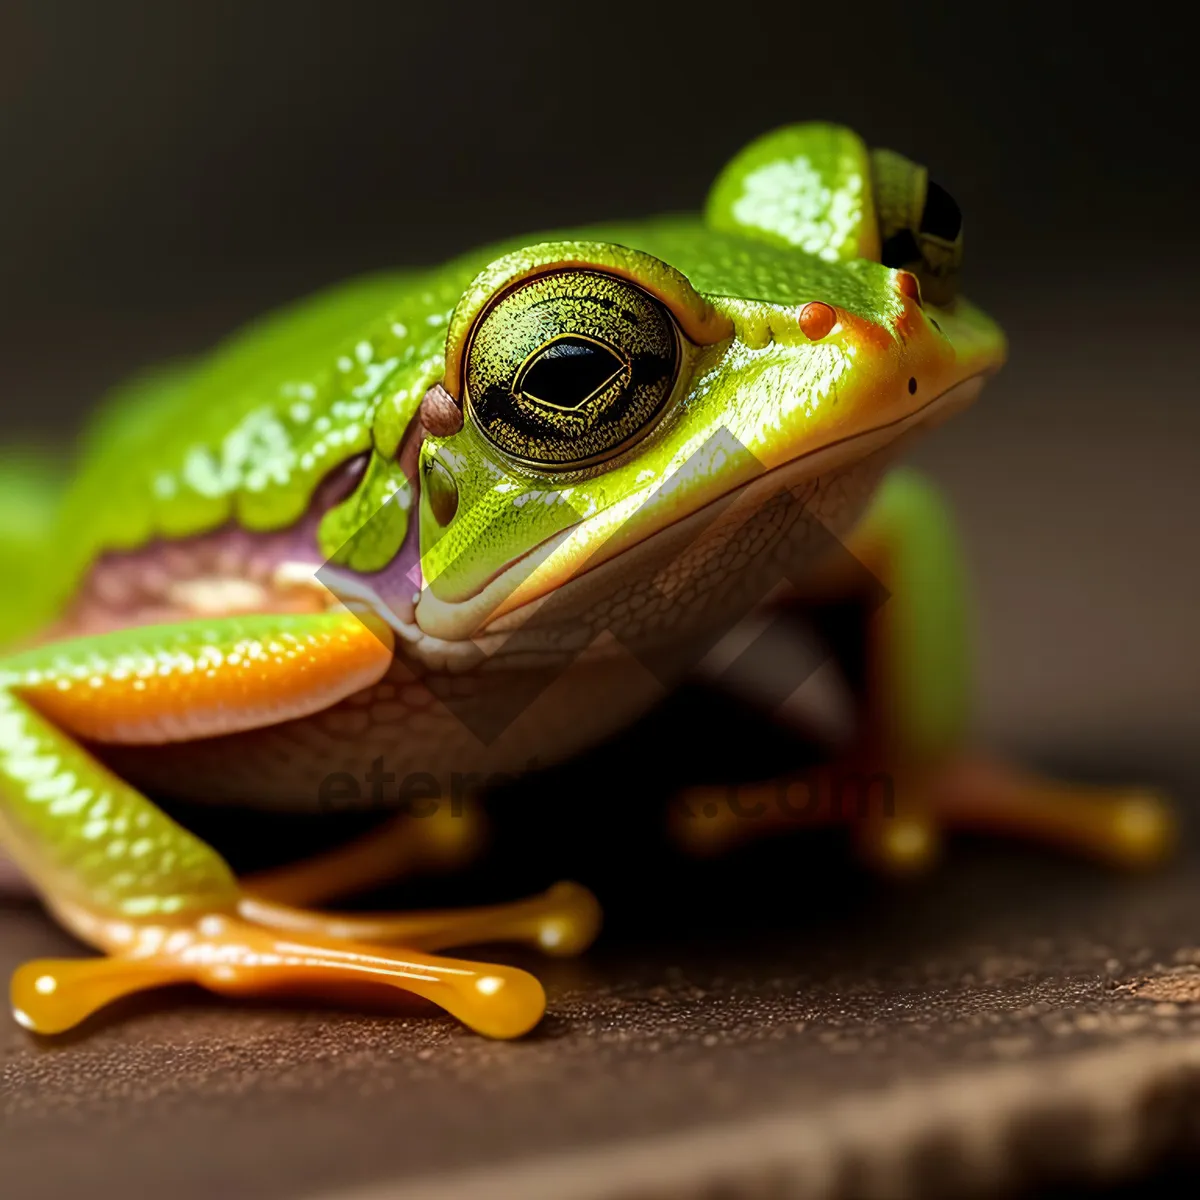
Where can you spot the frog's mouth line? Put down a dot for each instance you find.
(500, 605)
(437, 631)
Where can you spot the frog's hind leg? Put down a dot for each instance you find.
(562, 921)
(162, 904)
(401, 846)
(918, 720)
(915, 724)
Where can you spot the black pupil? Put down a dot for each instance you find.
(568, 371)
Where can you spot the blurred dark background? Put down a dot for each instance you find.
(170, 170)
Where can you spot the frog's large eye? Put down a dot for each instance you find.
(920, 224)
(568, 368)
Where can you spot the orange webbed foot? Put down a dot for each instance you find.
(265, 948)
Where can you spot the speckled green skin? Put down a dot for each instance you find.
(88, 839)
(246, 435)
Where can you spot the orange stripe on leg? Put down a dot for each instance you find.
(224, 679)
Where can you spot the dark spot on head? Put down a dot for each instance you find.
(440, 413)
(912, 386)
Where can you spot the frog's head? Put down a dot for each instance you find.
(627, 402)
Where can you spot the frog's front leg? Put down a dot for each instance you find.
(914, 727)
(162, 904)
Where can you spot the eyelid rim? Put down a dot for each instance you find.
(699, 321)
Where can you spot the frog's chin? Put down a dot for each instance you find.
(514, 593)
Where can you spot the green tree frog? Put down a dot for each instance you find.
(458, 520)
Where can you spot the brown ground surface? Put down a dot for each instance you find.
(1010, 1020)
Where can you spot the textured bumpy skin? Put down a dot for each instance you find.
(119, 853)
(247, 434)
(473, 608)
